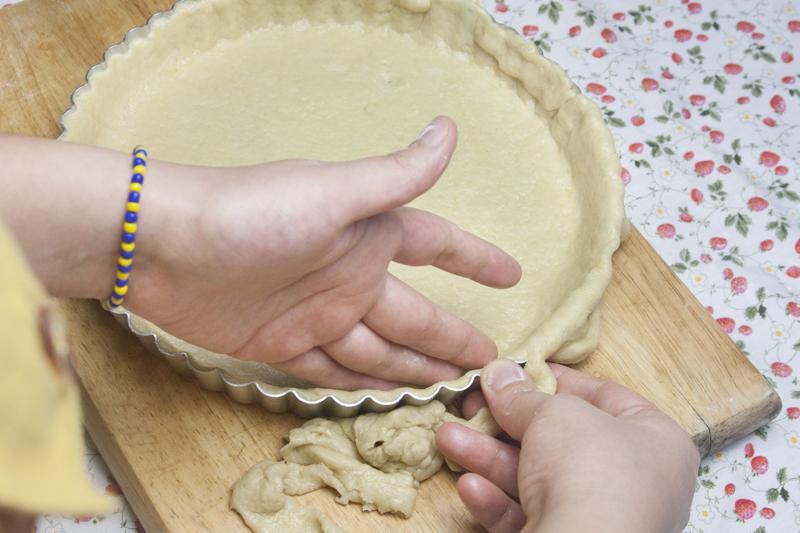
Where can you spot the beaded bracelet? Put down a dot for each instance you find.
(129, 227)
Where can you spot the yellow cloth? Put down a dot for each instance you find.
(41, 439)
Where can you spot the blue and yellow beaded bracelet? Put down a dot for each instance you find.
(129, 227)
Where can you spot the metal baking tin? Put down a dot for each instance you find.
(303, 402)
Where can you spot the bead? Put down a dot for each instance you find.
(128, 237)
(133, 207)
(137, 178)
(121, 261)
(124, 269)
(139, 169)
(131, 217)
(138, 161)
(113, 304)
(121, 291)
(127, 246)
(134, 196)
(136, 186)
(121, 282)
(140, 151)
(126, 255)
(129, 227)
(122, 275)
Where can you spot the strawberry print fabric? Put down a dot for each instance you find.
(703, 99)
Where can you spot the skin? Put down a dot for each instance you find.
(593, 457)
(284, 262)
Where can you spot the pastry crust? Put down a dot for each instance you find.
(535, 171)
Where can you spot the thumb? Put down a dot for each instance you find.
(367, 187)
(512, 396)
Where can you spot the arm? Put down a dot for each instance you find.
(284, 262)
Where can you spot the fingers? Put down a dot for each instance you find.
(367, 187)
(490, 506)
(405, 317)
(473, 402)
(512, 396)
(429, 239)
(611, 397)
(494, 460)
(366, 352)
(316, 367)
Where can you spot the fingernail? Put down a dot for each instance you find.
(434, 133)
(501, 373)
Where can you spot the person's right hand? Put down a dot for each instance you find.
(593, 457)
(286, 263)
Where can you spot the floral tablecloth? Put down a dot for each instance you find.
(704, 102)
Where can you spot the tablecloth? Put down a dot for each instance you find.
(703, 99)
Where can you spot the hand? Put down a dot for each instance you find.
(593, 457)
(286, 263)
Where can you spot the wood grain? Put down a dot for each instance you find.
(176, 449)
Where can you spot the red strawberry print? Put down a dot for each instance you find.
(618, 16)
(718, 243)
(704, 168)
(743, 100)
(596, 88)
(770, 122)
(686, 113)
(769, 159)
(787, 57)
(636, 148)
(694, 8)
(696, 195)
(637, 120)
(668, 24)
(727, 324)
(744, 509)
(794, 26)
(756, 203)
(501, 8)
(676, 58)
(724, 169)
(574, 31)
(686, 217)
(649, 84)
(778, 104)
(683, 35)
(530, 30)
(730, 488)
(608, 35)
(749, 450)
(666, 231)
(793, 309)
(733, 68)
(793, 413)
(727, 274)
(702, 37)
(788, 80)
(710, 309)
(625, 176)
(797, 246)
(716, 136)
(781, 170)
(705, 258)
(607, 99)
(793, 272)
(757, 35)
(767, 513)
(759, 465)
(598, 53)
(739, 284)
(745, 330)
(782, 370)
(697, 99)
(667, 75)
(744, 26)
(766, 245)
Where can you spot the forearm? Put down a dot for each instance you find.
(65, 204)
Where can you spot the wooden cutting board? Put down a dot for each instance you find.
(176, 449)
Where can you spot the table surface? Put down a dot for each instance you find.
(703, 99)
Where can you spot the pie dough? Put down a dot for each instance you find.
(377, 460)
(230, 82)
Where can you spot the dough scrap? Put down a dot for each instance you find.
(376, 459)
